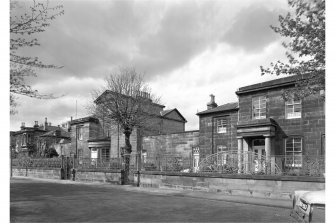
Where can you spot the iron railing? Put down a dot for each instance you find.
(226, 162)
(167, 163)
(305, 165)
(233, 162)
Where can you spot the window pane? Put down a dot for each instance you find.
(289, 149)
(293, 109)
(259, 107)
(297, 108)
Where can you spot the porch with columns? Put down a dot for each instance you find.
(248, 131)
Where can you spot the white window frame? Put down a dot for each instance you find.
(144, 156)
(295, 104)
(24, 139)
(257, 108)
(221, 125)
(80, 153)
(80, 132)
(222, 158)
(105, 153)
(294, 153)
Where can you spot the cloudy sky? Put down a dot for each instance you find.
(187, 49)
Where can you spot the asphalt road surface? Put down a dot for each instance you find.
(34, 200)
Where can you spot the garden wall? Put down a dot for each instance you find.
(50, 173)
(276, 187)
(102, 176)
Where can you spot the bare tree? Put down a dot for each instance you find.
(23, 25)
(126, 101)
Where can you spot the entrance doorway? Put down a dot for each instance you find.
(258, 159)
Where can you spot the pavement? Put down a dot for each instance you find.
(270, 202)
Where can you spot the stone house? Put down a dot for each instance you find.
(217, 128)
(93, 138)
(261, 122)
(268, 125)
(83, 130)
(55, 143)
(32, 141)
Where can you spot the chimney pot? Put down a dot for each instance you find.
(211, 104)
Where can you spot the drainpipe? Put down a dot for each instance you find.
(212, 135)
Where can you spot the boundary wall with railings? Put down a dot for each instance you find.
(254, 185)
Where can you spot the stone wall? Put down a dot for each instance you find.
(98, 176)
(209, 139)
(171, 126)
(38, 173)
(250, 185)
(175, 143)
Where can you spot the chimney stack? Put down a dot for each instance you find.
(45, 123)
(23, 125)
(211, 104)
(36, 124)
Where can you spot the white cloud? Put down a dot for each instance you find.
(219, 70)
(180, 45)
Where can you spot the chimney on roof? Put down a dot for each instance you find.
(211, 104)
(45, 123)
(57, 133)
(36, 124)
(23, 125)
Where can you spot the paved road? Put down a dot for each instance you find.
(43, 201)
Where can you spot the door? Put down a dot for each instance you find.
(258, 159)
(94, 156)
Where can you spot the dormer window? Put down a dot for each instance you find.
(259, 107)
(293, 109)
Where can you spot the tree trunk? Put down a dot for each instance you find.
(126, 156)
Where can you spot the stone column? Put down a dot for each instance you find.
(239, 153)
(246, 156)
(267, 152)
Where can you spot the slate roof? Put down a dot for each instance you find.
(83, 120)
(221, 108)
(106, 92)
(63, 134)
(164, 113)
(281, 82)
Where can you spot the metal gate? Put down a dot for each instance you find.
(67, 167)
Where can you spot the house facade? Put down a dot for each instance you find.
(39, 140)
(268, 125)
(94, 138)
(83, 130)
(217, 128)
(261, 123)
